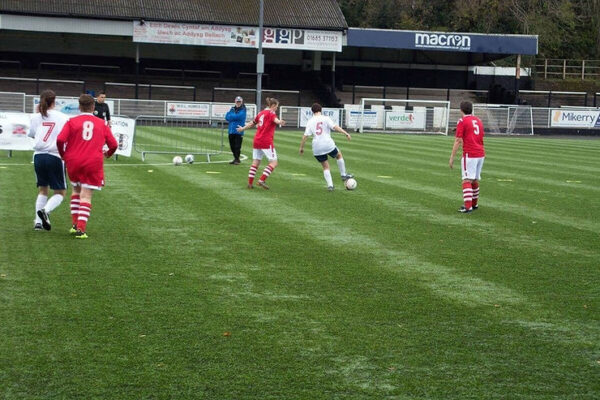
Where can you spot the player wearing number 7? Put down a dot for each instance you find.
(80, 144)
(469, 135)
(49, 168)
(320, 127)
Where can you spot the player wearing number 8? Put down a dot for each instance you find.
(469, 135)
(80, 144)
(49, 168)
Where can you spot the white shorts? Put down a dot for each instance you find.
(471, 167)
(270, 153)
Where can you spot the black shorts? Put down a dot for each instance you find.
(323, 157)
(50, 171)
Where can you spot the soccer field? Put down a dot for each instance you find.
(191, 286)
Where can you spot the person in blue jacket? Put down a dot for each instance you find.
(236, 117)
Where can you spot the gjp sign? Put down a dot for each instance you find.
(575, 119)
(443, 41)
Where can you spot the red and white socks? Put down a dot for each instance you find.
(252, 174)
(468, 195)
(266, 173)
(84, 214)
(475, 186)
(74, 208)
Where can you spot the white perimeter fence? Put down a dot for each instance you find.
(295, 117)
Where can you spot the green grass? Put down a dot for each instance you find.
(192, 286)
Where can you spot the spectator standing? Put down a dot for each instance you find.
(101, 109)
(49, 168)
(80, 144)
(469, 135)
(236, 117)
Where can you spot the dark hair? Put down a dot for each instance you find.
(86, 103)
(466, 107)
(47, 98)
(102, 92)
(316, 108)
(271, 100)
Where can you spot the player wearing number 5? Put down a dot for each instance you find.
(49, 168)
(80, 144)
(469, 135)
(320, 127)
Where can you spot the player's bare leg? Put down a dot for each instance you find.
(266, 173)
(252, 173)
(327, 175)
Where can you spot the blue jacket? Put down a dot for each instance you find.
(236, 118)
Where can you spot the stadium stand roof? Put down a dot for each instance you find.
(278, 13)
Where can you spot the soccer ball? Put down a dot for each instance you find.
(189, 159)
(177, 160)
(350, 184)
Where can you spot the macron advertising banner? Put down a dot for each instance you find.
(14, 128)
(575, 119)
(235, 36)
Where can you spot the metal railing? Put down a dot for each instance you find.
(455, 96)
(39, 81)
(552, 68)
(187, 73)
(236, 91)
(14, 63)
(549, 98)
(266, 77)
(149, 86)
(78, 67)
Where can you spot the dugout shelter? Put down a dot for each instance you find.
(306, 47)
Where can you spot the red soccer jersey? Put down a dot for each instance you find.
(470, 129)
(265, 131)
(82, 139)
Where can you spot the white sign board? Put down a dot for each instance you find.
(188, 110)
(306, 114)
(575, 119)
(123, 130)
(354, 117)
(235, 36)
(14, 128)
(219, 110)
(405, 120)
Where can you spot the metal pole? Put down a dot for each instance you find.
(260, 59)
(517, 78)
(137, 70)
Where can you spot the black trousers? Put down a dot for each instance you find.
(235, 142)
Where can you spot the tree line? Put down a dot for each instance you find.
(566, 28)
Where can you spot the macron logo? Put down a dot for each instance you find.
(442, 41)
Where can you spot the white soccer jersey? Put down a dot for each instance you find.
(44, 130)
(319, 127)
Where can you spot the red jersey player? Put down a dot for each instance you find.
(266, 121)
(469, 134)
(80, 144)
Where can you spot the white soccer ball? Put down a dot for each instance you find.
(350, 184)
(177, 160)
(189, 159)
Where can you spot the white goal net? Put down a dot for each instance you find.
(400, 116)
(505, 119)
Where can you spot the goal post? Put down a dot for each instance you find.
(505, 119)
(400, 116)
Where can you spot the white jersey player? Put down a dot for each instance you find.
(320, 127)
(49, 167)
